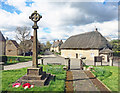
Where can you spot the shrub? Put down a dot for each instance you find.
(117, 53)
(3, 59)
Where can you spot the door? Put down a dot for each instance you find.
(76, 55)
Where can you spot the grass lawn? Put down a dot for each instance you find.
(13, 59)
(108, 75)
(10, 76)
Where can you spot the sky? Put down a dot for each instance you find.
(60, 18)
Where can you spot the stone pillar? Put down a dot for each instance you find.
(67, 63)
(35, 17)
(81, 64)
(111, 61)
(35, 54)
(42, 61)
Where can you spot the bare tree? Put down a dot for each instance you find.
(22, 34)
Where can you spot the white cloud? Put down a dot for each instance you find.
(63, 19)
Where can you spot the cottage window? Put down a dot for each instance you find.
(69, 55)
(80, 55)
(92, 54)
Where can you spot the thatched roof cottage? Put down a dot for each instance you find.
(85, 45)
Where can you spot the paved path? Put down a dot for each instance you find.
(81, 81)
(18, 65)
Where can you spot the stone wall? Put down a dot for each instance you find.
(89, 54)
(2, 48)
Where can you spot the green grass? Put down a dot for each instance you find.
(108, 75)
(10, 76)
(12, 59)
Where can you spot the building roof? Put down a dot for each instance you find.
(57, 43)
(86, 40)
(15, 43)
(2, 38)
(106, 50)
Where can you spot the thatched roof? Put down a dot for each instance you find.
(2, 37)
(92, 40)
(106, 50)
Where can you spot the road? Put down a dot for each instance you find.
(51, 58)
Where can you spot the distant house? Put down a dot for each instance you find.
(28, 45)
(56, 46)
(87, 45)
(2, 44)
(12, 48)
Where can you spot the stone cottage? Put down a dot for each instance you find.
(87, 45)
(2, 44)
(13, 48)
(56, 46)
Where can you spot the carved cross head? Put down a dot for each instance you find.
(35, 17)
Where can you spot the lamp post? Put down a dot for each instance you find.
(35, 17)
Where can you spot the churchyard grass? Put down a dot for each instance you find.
(18, 59)
(10, 76)
(108, 75)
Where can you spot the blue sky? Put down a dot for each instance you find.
(60, 20)
(9, 8)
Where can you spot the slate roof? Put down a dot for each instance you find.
(86, 40)
(2, 38)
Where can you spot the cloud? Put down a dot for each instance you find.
(62, 19)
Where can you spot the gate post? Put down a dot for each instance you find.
(68, 63)
(81, 64)
(42, 61)
(111, 61)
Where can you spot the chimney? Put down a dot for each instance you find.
(96, 29)
(31, 37)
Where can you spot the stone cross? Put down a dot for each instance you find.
(35, 17)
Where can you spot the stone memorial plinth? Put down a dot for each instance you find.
(36, 76)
